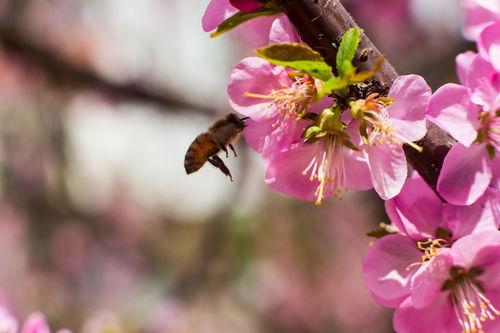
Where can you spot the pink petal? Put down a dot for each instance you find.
(36, 323)
(451, 109)
(388, 169)
(282, 31)
(257, 76)
(384, 268)
(489, 44)
(477, 250)
(246, 5)
(216, 12)
(255, 33)
(483, 81)
(465, 175)
(408, 111)
(267, 139)
(438, 317)
(463, 62)
(484, 214)
(284, 172)
(8, 324)
(416, 223)
(357, 175)
(427, 283)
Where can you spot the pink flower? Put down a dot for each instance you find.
(36, 323)
(489, 44)
(478, 15)
(389, 127)
(469, 112)
(459, 291)
(8, 324)
(425, 226)
(256, 31)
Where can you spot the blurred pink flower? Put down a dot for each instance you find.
(459, 291)
(8, 324)
(469, 112)
(426, 227)
(489, 44)
(36, 323)
(478, 15)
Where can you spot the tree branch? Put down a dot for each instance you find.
(62, 71)
(320, 23)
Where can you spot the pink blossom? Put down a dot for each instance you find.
(425, 226)
(459, 291)
(489, 44)
(8, 324)
(469, 112)
(36, 323)
(256, 31)
(389, 127)
(478, 15)
(271, 97)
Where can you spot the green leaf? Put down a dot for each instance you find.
(347, 48)
(242, 17)
(297, 57)
(335, 83)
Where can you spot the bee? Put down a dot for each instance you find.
(207, 145)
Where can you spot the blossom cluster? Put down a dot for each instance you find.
(320, 135)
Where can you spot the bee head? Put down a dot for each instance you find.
(235, 119)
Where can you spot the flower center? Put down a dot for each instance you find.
(375, 122)
(289, 102)
(471, 306)
(490, 129)
(327, 167)
(430, 249)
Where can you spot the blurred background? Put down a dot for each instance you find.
(101, 229)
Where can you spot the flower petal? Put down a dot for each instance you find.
(407, 113)
(477, 18)
(451, 109)
(388, 169)
(416, 223)
(257, 76)
(484, 214)
(216, 12)
(489, 44)
(36, 323)
(284, 172)
(438, 317)
(246, 5)
(427, 283)
(483, 81)
(282, 31)
(463, 62)
(384, 268)
(465, 175)
(477, 250)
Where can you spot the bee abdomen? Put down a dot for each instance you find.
(191, 164)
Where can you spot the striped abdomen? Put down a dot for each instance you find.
(198, 152)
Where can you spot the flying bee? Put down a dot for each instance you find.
(207, 145)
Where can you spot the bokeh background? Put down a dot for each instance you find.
(100, 228)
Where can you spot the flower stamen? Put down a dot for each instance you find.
(290, 101)
(431, 248)
(327, 167)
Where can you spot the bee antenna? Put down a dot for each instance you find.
(244, 118)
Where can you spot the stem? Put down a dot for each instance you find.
(320, 23)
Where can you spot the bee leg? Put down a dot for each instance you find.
(232, 148)
(218, 163)
(224, 149)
